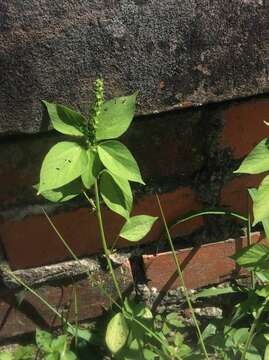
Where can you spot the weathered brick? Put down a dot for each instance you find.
(32, 242)
(244, 126)
(32, 313)
(205, 265)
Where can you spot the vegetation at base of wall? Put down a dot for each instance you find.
(96, 165)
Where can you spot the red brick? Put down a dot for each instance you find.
(234, 194)
(208, 264)
(244, 126)
(32, 313)
(32, 242)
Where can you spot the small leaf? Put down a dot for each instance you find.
(115, 118)
(65, 162)
(64, 193)
(137, 227)
(257, 160)
(254, 256)
(68, 355)
(119, 161)
(266, 353)
(43, 340)
(116, 193)
(261, 203)
(116, 333)
(65, 120)
(24, 353)
(93, 168)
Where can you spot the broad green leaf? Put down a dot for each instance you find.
(93, 168)
(80, 333)
(210, 330)
(263, 291)
(116, 333)
(213, 291)
(116, 193)
(6, 356)
(254, 256)
(253, 353)
(64, 193)
(43, 340)
(137, 227)
(117, 159)
(257, 160)
(240, 336)
(65, 162)
(261, 203)
(65, 120)
(52, 356)
(263, 276)
(115, 118)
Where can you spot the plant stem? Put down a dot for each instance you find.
(253, 328)
(104, 242)
(249, 240)
(182, 281)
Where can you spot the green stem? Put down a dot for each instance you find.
(249, 240)
(253, 328)
(182, 281)
(104, 242)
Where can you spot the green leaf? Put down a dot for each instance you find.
(93, 168)
(68, 355)
(53, 356)
(6, 356)
(115, 118)
(261, 203)
(64, 193)
(266, 353)
(252, 257)
(117, 159)
(257, 160)
(265, 222)
(43, 340)
(63, 163)
(209, 331)
(65, 120)
(24, 353)
(137, 227)
(116, 333)
(116, 193)
(213, 291)
(59, 344)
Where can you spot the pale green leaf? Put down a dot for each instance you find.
(257, 160)
(93, 168)
(261, 203)
(63, 163)
(116, 193)
(59, 344)
(24, 353)
(137, 227)
(65, 120)
(64, 193)
(6, 356)
(265, 222)
(252, 257)
(115, 118)
(116, 333)
(117, 159)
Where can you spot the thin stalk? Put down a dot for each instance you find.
(253, 328)
(104, 242)
(182, 281)
(249, 240)
(101, 288)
